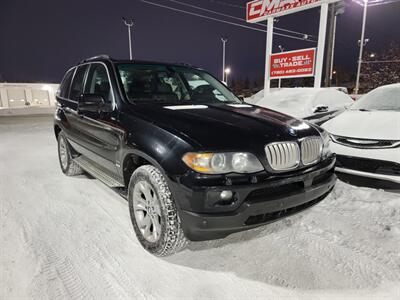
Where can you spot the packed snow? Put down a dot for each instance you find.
(301, 102)
(71, 238)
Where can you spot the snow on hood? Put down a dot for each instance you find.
(301, 102)
(380, 125)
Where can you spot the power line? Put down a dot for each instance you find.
(234, 17)
(227, 4)
(222, 21)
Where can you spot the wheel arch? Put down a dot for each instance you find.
(134, 159)
(57, 130)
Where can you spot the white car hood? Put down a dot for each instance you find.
(379, 125)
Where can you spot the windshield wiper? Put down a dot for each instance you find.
(364, 109)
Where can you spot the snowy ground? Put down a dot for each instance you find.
(71, 238)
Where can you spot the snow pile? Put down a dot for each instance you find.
(301, 102)
(71, 238)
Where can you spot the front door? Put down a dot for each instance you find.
(100, 138)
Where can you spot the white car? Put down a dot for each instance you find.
(366, 137)
(317, 105)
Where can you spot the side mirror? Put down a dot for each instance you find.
(93, 103)
(321, 109)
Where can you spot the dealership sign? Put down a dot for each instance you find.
(260, 10)
(300, 63)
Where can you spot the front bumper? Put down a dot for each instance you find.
(265, 203)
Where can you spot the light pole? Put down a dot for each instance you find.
(280, 79)
(129, 24)
(339, 10)
(227, 72)
(224, 41)
(362, 44)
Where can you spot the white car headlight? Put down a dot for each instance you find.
(223, 163)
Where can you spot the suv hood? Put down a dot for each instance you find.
(225, 127)
(377, 125)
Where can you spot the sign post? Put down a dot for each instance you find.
(261, 10)
(270, 32)
(323, 21)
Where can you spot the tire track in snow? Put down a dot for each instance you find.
(55, 272)
(362, 246)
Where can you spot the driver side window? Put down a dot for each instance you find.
(98, 83)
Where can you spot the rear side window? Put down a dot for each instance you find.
(77, 83)
(98, 83)
(66, 83)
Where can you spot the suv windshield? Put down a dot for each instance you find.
(386, 98)
(172, 84)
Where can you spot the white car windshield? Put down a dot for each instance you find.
(387, 98)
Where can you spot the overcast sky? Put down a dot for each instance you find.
(40, 39)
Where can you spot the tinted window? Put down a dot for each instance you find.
(77, 83)
(98, 83)
(66, 83)
(172, 84)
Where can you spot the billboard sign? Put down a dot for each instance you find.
(260, 10)
(292, 64)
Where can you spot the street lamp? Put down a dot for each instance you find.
(362, 44)
(129, 24)
(363, 41)
(224, 41)
(339, 9)
(227, 72)
(280, 79)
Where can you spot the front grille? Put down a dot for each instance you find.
(311, 149)
(368, 165)
(283, 156)
(365, 143)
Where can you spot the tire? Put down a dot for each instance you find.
(67, 164)
(164, 236)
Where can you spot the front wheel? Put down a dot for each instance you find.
(153, 212)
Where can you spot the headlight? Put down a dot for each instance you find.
(223, 163)
(326, 150)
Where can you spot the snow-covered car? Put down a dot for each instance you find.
(314, 105)
(366, 138)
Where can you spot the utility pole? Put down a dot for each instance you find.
(224, 41)
(329, 50)
(280, 79)
(336, 9)
(227, 72)
(129, 24)
(363, 42)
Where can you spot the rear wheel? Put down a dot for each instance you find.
(67, 164)
(153, 212)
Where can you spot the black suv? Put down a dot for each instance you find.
(193, 160)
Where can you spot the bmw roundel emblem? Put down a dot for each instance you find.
(292, 132)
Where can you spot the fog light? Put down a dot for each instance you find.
(226, 195)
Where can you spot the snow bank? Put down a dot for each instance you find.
(301, 102)
(71, 238)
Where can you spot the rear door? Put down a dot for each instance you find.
(69, 98)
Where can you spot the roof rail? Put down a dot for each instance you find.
(184, 64)
(102, 56)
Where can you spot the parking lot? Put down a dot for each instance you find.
(66, 237)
